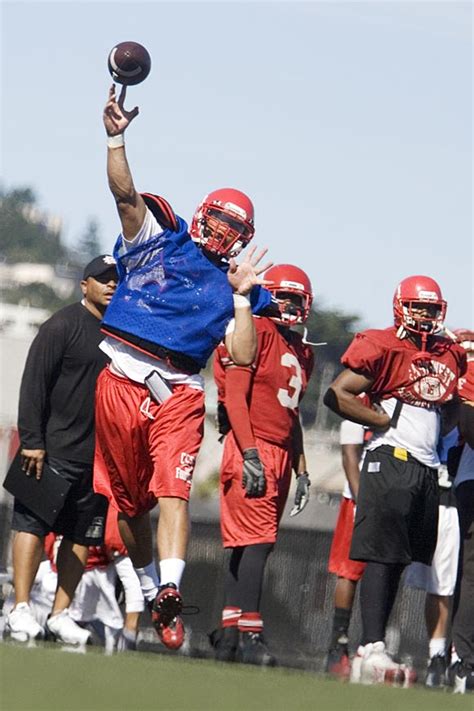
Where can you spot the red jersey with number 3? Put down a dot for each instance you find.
(281, 372)
(399, 369)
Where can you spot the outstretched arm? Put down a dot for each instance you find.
(130, 204)
(242, 342)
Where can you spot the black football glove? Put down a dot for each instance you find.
(253, 475)
(302, 493)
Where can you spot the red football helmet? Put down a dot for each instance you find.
(292, 289)
(223, 223)
(418, 306)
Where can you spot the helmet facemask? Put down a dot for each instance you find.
(421, 317)
(221, 231)
(293, 305)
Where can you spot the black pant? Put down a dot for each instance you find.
(463, 620)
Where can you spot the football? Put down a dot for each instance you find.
(129, 63)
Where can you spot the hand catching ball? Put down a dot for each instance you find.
(129, 63)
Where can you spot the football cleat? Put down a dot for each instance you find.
(461, 677)
(62, 628)
(165, 616)
(378, 667)
(436, 672)
(21, 624)
(253, 650)
(338, 663)
(225, 641)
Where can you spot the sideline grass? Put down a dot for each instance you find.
(46, 678)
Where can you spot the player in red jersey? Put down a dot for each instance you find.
(411, 370)
(178, 293)
(263, 445)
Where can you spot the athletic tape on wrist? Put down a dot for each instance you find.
(241, 301)
(116, 141)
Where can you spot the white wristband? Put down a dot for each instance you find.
(116, 141)
(241, 301)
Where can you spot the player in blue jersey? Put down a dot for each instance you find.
(180, 293)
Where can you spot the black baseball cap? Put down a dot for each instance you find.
(99, 265)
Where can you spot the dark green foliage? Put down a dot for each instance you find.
(337, 329)
(30, 234)
(27, 235)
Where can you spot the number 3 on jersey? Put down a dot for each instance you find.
(288, 360)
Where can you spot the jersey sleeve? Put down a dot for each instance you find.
(364, 356)
(260, 299)
(466, 383)
(150, 228)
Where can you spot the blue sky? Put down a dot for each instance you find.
(349, 125)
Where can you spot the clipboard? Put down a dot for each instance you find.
(45, 497)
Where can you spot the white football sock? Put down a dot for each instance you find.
(437, 646)
(171, 570)
(149, 581)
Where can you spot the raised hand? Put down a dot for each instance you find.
(244, 276)
(116, 117)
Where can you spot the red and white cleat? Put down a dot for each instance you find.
(165, 616)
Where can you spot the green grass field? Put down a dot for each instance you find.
(48, 678)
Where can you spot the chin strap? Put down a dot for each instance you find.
(450, 334)
(401, 333)
(310, 343)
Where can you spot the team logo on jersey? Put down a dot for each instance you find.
(431, 382)
(186, 467)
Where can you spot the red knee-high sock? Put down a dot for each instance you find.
(250, 622)
(231, 616)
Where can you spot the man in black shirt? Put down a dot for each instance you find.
(56, 425)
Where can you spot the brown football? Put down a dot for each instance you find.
(129, 63)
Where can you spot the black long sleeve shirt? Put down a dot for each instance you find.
(56, 409)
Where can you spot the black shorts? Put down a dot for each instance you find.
(397, 509)
(82, 518)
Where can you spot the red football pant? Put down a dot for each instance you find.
(245, 521)
(145, 451)
(339, 561)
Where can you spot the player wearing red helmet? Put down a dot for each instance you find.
(263, 444)
(223, 223)
(410, 371)
(175, 301)
(291, 288)
(419, 307)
